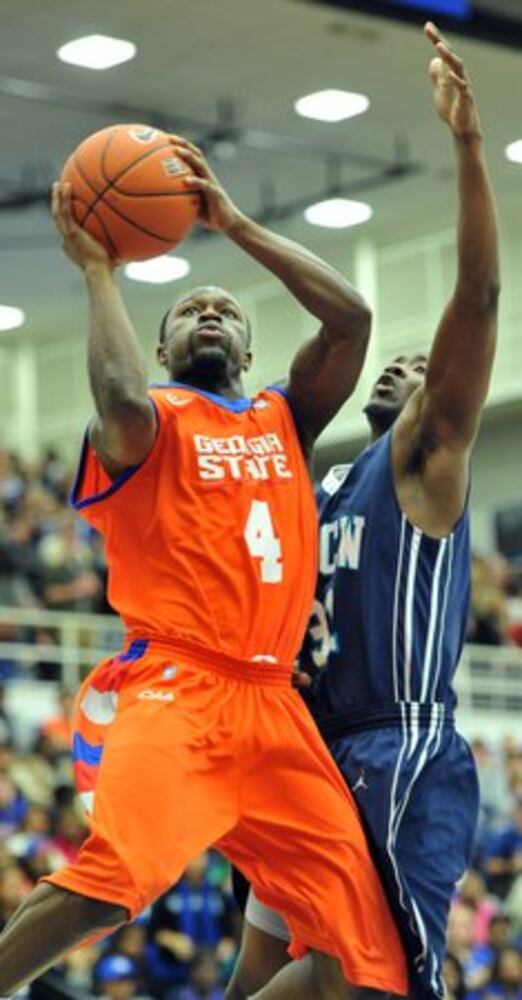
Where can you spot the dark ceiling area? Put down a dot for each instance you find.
(495, 21)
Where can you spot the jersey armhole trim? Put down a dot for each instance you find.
(117, 483)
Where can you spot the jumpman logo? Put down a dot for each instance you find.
(360, 783)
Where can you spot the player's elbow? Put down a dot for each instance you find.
(353, 325)
(481, 298)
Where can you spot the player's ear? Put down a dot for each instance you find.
(247, 361)
(161, 356)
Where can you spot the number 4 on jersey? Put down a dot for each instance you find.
(262, 542)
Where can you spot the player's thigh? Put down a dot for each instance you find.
(261, 955)
(159, 800)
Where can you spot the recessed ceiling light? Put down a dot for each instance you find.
(158, 270)
(97, 51)
(332, 105)
(11, 317)
(338, 213)
(514, 151)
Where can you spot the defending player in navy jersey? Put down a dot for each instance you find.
(392, 601)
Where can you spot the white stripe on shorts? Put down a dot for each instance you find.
(260, 916)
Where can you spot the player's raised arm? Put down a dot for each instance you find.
(325, 370)
(125, 426)
(461, 359)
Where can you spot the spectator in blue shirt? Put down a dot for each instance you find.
(203, 981)
(503, 861)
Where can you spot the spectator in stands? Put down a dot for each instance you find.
(56, 730)
(472, 890)
(14, 887)
(77, 968)
(461, 944)
(12, 480)
(69, 582)
(13, 806)
(194, 914)
(203, 980)
(453, 977)
(506, 976)
(488, 620)
(6, 723)
(70, 833)
(503, 861)
(117, 978)
(131, 940)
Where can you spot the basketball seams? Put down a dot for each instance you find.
(149, 194)
(137, 225)
(112, 181)
(112, 184)
(98, 218)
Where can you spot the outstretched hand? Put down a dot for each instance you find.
(81, 248)
(452, 89)
(217, 211)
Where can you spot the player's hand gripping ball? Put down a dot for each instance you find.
(129, 191)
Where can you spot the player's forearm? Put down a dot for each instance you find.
(116, 363)
(478, 265)
(317, 286)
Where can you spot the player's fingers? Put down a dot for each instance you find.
(451, 60)
(67, 215)
(179, 140)
(432, 32)
(300, 679)
(55, 201)
(461, 84)
(195, 160)
(199, 183)
(57, 211)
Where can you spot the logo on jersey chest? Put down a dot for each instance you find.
(240, 457)
(341, 543)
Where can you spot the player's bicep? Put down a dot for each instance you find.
(322, 377)
(124, 441)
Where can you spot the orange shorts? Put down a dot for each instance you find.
(175, 752)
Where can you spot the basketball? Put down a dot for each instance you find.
(128, 191)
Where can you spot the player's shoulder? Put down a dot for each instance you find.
(171, 396)
(335, 479)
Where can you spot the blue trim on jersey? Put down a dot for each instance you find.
(86, 752)
(236, 405)
(281, 389)
(135, 651)
(116, 483)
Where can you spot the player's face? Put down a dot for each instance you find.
(393, 388)
(206, 337)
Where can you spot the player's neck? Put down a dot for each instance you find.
(229, 388)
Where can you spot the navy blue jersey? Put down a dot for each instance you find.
(391, 604)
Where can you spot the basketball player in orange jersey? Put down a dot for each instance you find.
(193, 735)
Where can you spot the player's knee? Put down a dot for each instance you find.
(329, 980)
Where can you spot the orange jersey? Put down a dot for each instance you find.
(212, 540)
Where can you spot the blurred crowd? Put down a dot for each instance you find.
(50, 558)
(484, 960)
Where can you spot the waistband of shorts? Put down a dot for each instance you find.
(261, 670)
(383, 715)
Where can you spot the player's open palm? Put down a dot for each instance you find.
(79, 246)
(452, 89)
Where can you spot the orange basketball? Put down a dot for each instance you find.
(128, 191)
